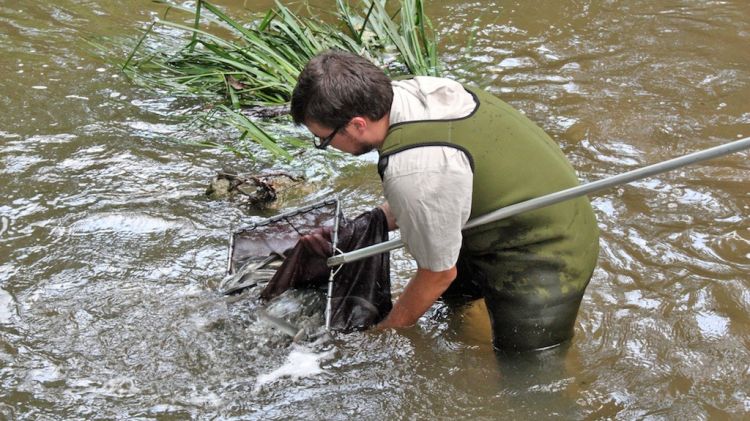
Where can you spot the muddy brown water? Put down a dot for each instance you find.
(110, 255)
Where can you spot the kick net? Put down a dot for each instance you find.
(358, 293)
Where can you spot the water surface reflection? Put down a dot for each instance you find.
(110, 254)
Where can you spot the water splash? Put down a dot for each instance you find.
(299, 363)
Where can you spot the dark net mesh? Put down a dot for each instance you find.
(361, 291)
(278, 234)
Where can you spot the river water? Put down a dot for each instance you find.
(111, 255)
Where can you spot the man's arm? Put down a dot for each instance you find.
(386, 208)
(428, 192)
(420, 293)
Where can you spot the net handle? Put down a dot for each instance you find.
(334, 248)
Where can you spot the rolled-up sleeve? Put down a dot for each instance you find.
(429, 191)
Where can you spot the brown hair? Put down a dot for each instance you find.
(336, 86)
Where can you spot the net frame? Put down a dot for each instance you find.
(260, 231)
(234, 262)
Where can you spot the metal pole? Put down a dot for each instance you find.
(561, 196)
(334, 245)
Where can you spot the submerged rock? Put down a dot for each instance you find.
(256, 191)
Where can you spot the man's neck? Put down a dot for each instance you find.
(380, 130)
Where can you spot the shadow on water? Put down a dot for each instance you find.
(111, 256)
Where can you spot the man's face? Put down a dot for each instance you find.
(349, 138)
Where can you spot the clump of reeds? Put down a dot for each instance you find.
(257, 65)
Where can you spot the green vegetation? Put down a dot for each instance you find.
(256, 64)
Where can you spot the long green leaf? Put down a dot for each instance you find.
(266, 56)
(257, 134)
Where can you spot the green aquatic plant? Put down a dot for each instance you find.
(255, 64)
(410, 35)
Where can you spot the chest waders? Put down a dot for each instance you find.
(532, 269)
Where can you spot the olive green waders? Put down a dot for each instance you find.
(532, 269)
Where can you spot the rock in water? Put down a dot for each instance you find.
(256, 191)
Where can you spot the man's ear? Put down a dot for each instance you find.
(360, 123)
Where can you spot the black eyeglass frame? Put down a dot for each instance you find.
(322, 143)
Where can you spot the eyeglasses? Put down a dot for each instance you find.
(323, 142)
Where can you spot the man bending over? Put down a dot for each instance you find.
(449, 153)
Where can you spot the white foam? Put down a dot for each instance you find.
(299, 363)
(712, 325)
(7, 306)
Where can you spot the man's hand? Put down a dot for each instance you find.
(319, 242)
(420, 293)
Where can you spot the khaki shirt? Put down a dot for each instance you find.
(429, 188)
